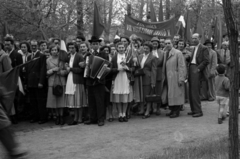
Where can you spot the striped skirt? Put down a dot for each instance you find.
(79, 99)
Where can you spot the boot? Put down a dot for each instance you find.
(175, 112)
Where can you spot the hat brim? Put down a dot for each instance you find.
(208, 43)
(91, 41)
(155, 40)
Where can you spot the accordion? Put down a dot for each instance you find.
(96, 67)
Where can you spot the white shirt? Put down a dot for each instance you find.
(155, 53)
(195, 54)
(144, 59)
(71, 60)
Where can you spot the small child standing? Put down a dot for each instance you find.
(222, 92)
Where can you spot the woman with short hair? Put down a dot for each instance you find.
(148, 63)
(56, 72)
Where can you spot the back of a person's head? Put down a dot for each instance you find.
(221, 69)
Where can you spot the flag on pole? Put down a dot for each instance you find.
(160, 13)
(187, 32)
(117, 35)
(63, 56)
(152, 12)
(98, 26)
(8, 87)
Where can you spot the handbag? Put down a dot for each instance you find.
(153, 98)
(139, 72)
(57, 89)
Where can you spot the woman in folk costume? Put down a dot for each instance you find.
(173, 77)
(121, 94)
(56, 72)
(159, 54)
(148, 63)
(75, 92)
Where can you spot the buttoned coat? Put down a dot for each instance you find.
(173, 73)
(150, 69)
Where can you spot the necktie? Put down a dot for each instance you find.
(225, 56)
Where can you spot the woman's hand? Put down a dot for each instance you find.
(56, 69)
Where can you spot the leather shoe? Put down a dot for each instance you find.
(169, 114)
(174, 115)
(34, 121)
(89, 122)
(73, 123)
(125, 119)
(42, 121)
(101, 123)
(20, 155)
(190, 113)
(197, 115)
(120, 119)
(146, 116)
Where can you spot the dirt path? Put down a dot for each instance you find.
(133, 140)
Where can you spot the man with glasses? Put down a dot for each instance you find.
(198, 63)
(36, 78)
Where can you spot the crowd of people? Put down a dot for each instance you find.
(176, 71)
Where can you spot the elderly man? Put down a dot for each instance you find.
(224, 57)
(198, 63)
(211, 72)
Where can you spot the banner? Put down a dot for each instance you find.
(147, 30)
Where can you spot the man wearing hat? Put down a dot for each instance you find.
(211, 71)
(159, 56)
(224, 57)
(96, 88)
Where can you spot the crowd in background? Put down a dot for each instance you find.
(173, 69)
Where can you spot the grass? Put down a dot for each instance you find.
(211, 149)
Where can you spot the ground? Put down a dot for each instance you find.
(136, 139)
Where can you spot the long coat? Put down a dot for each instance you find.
(173, 72)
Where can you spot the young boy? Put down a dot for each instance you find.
(222, 92)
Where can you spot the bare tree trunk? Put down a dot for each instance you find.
(198, 13)
(80, 26)
(234, 79)
(167, 9)
(141, 10)
(109, 22)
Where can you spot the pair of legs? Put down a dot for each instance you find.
(78, 115)
(146, 113)
(59, 114)
(110, 111)
(122, 109)
(223, 102)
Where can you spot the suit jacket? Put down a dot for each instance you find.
(202, 60)
(90, 81)
(36, 70)
(16, 58)
(159, 64)
(114, 68)
(77, 70)
(150, 69)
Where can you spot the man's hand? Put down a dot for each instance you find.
(40, 85)
(82, 64)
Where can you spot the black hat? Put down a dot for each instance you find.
(208, 41)
(94, 39)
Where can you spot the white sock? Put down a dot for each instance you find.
(124, 114)
(120, 114)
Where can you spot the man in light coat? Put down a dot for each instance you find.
(173, 77)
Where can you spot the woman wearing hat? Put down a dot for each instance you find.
(159, 54)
